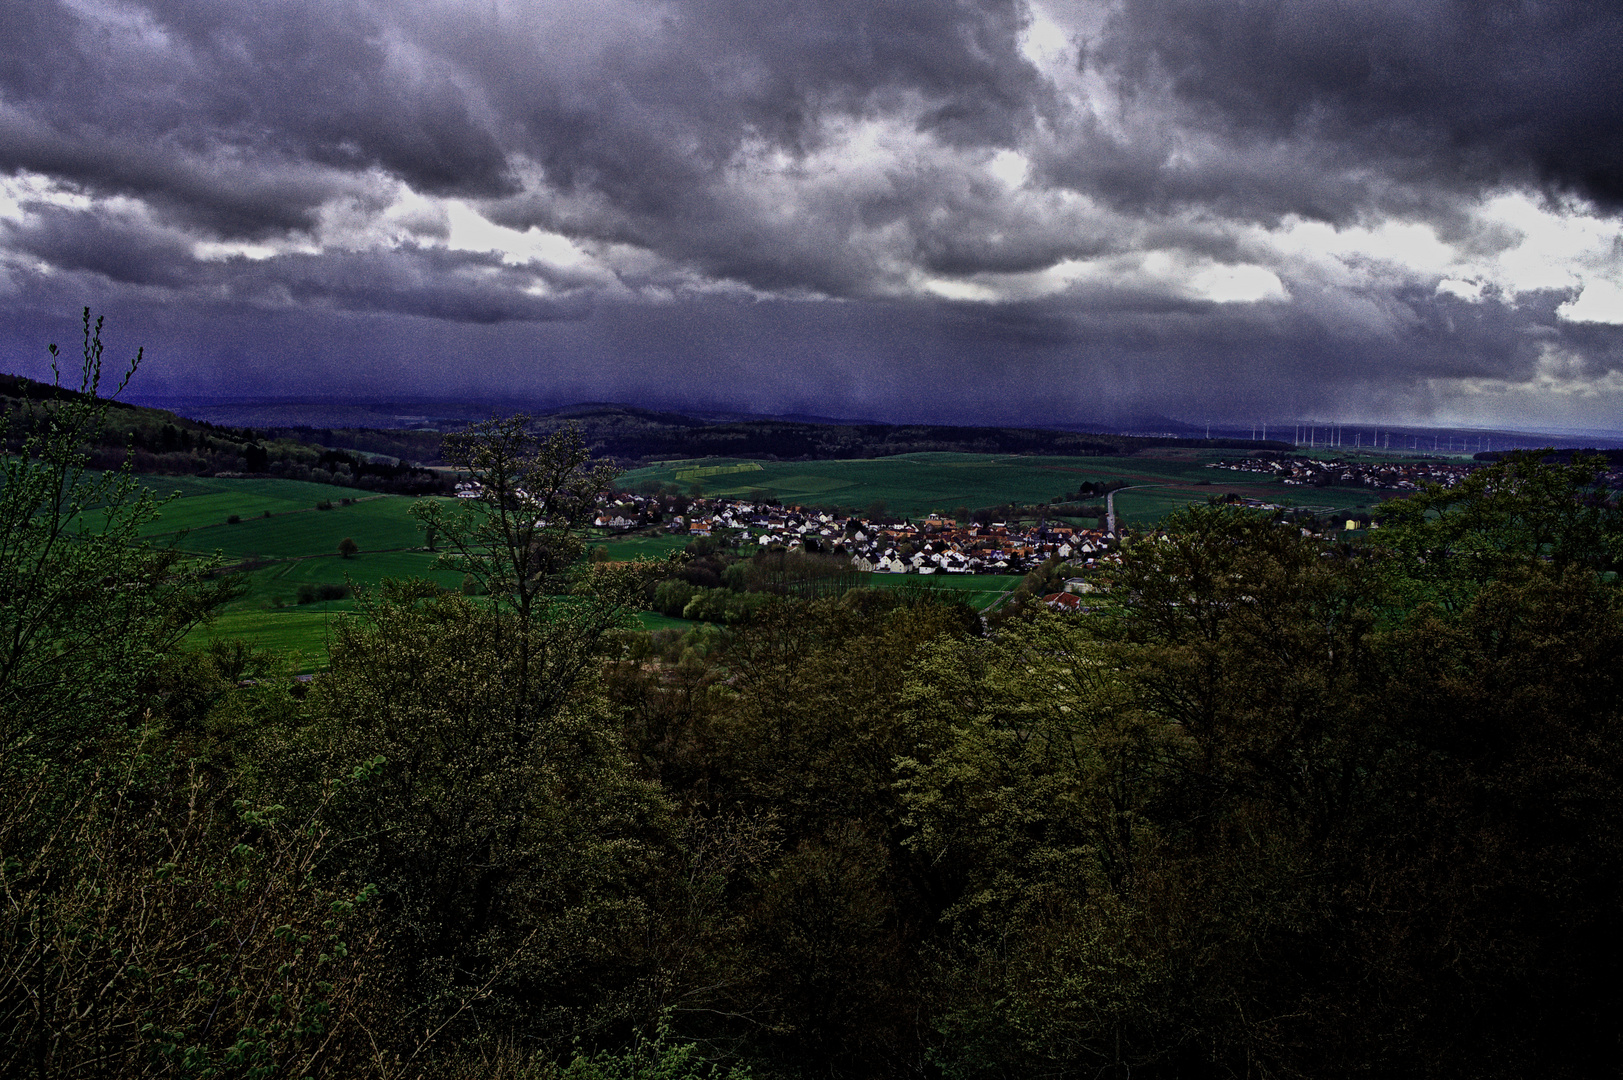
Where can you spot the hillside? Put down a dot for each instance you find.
(163, 443)
(636, 436)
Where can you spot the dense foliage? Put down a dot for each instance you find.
(1280, 808)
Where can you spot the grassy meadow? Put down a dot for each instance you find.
(653, 620)
(272, 527)
(980, 591)
(282, 541)
(622, 548)
(298, 633)
(202, 502)
(913, 485)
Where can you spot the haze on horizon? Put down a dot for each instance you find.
(908, 209)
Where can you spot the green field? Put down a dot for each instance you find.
(653, 620)
(279, 581)
(703, 471)
(622, 548)
(209, 501)
(298, 631)
(380, 523)
(294, 545)
(913, 485)
(297, 544)
(980, 591)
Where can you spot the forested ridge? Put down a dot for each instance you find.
(1282, 807)
(158, 442)
(632, 435)
(167, 443)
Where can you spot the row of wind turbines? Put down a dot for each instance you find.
(1315, 435)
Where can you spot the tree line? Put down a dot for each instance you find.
(1284, 807)
(636, 436)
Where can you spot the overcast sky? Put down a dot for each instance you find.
(923, 209)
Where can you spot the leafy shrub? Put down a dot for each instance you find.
(168, 928)
(672, 596)
(722, 605)
(74, 656)
(658, 1058)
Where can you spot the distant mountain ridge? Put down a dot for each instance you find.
(424, 413)
(633, 434)
(411, 431)
(165, 443)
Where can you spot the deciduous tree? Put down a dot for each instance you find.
(87, 608)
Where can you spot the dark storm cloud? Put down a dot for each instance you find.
(432, 283)
(440, 101)
(120, 250)
(242, 120)
(1043, 362)
(1448, 91)
(652, 125)
(700, 150)
(457, 286)
(222, 198)
(645, 112)
(245, 120)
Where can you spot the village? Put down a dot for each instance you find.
(1302, 471)
(934, 544)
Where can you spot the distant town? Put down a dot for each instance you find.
(1303, 471)
(936, 544)
(933, 544)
